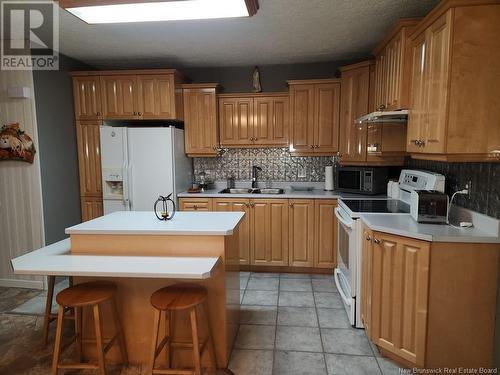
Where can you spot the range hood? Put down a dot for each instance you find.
(386, 117)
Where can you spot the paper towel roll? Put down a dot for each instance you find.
(329, 178)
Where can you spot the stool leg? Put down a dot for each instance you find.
(156, 327)
(196, 347)
(168, 333)
(57, 345)
(211, 347)
(78, 332)
(48, 308)
(98, 338)
(119, 332)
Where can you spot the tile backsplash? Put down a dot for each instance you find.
(485, 178)
(277, 165)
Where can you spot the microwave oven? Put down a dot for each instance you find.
(362, 180)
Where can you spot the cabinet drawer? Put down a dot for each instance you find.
(196, 204)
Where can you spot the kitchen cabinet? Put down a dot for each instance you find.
(91, 208)
(392, 67)
(366, 279)
(301, 223)
(366, 143)
(269, 232)
(253, 120)
(89, 157)
(119, 96)
(200, 120)
(315, 117)
(195, 204)
(87, 97)
(452, 117)
(156, 97)
(325, 233)
(238, 205)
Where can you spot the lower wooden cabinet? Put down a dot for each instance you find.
(91, 208)
(366, 279)
(280, 232)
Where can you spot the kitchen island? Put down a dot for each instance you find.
(141, 254)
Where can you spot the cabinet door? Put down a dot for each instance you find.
(325, 235)
(270, 232)
(119, 97)
(418, 97)
(87, 96)
(200, 122)
(400, 296)
(89, 157)
(238, 205)
(91, 208)
(327, 117)
(366, 279)
(195, 204)
(437, 87)
(354, 104)
(271, 121)
(156, 96)
(301, 232)
(236, 121)
(302, 118)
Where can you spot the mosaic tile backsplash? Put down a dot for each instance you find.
(485, 178)
(276, 164)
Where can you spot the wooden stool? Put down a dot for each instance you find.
(180, 297)
(90, 294)
(48, 316)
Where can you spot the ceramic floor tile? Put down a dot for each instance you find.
(297, 316)
(251, 362)
(324, 285)
(265, 274)
(244, 274)
(294, 275)
(264, 283)
(321, 276)
(295, 285)
(244, 282)
(296, 299)
(298, 363)
(351, 365)
(330, 300)
(345, 341)
(298, 338)
(333, 318)
(258, 314)
(255, 337)
(242, 293)
(260, 297)
(388, 367)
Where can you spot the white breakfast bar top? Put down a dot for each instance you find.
(57, 260)
(145, 223)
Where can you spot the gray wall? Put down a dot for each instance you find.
(57, 148)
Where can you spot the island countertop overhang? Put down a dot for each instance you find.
(145, 223)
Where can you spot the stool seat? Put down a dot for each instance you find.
(86, 294)
(178, 297)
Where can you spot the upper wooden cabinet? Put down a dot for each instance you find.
(392, 67)
(158, 98)
(315, 117)
(119, 96)
(200, 119)
(456, 76)
(87, 98)
(253, 120)
(366, 143)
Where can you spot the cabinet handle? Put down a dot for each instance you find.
(317, 146)
(339, 154)
(290, 205)
(368, 238)
(311, 146)
(135, 113)
(252, 205)
(421, 143)
(381, 107)
(195, 207)
(376, 241)
(98, 113)
(139, 113)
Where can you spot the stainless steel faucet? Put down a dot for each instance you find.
(254, 175)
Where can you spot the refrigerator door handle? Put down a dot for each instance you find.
(129, 187)
(125, 183)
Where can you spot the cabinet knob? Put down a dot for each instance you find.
(311, 146)
(368, 238)
(135, 113)
(252, 205)
(381, 107)
(376, 241)
(339, 154)
(421, 143)
(139, 113)
(195, 207)
(290, 205)
(98, 113)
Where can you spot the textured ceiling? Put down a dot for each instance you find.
(282, 32)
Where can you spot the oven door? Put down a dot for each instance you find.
(345, 274)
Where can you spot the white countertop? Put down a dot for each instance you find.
(404, 225)
(56, 259)
(146, 223)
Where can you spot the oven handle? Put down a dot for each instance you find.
(336, 277)
(342, 220)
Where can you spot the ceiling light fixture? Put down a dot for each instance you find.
(118, 11)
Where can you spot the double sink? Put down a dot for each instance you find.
(253, 191)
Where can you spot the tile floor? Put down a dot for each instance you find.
(290, 324)
(296, 324)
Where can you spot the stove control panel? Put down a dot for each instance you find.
(410, 180)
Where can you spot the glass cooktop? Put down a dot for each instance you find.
(383, 206)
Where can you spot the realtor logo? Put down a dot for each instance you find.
(30, 35)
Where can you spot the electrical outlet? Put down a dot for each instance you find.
(301, 171)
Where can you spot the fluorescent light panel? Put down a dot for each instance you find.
(161, 11)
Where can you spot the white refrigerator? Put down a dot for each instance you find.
(141, 163)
